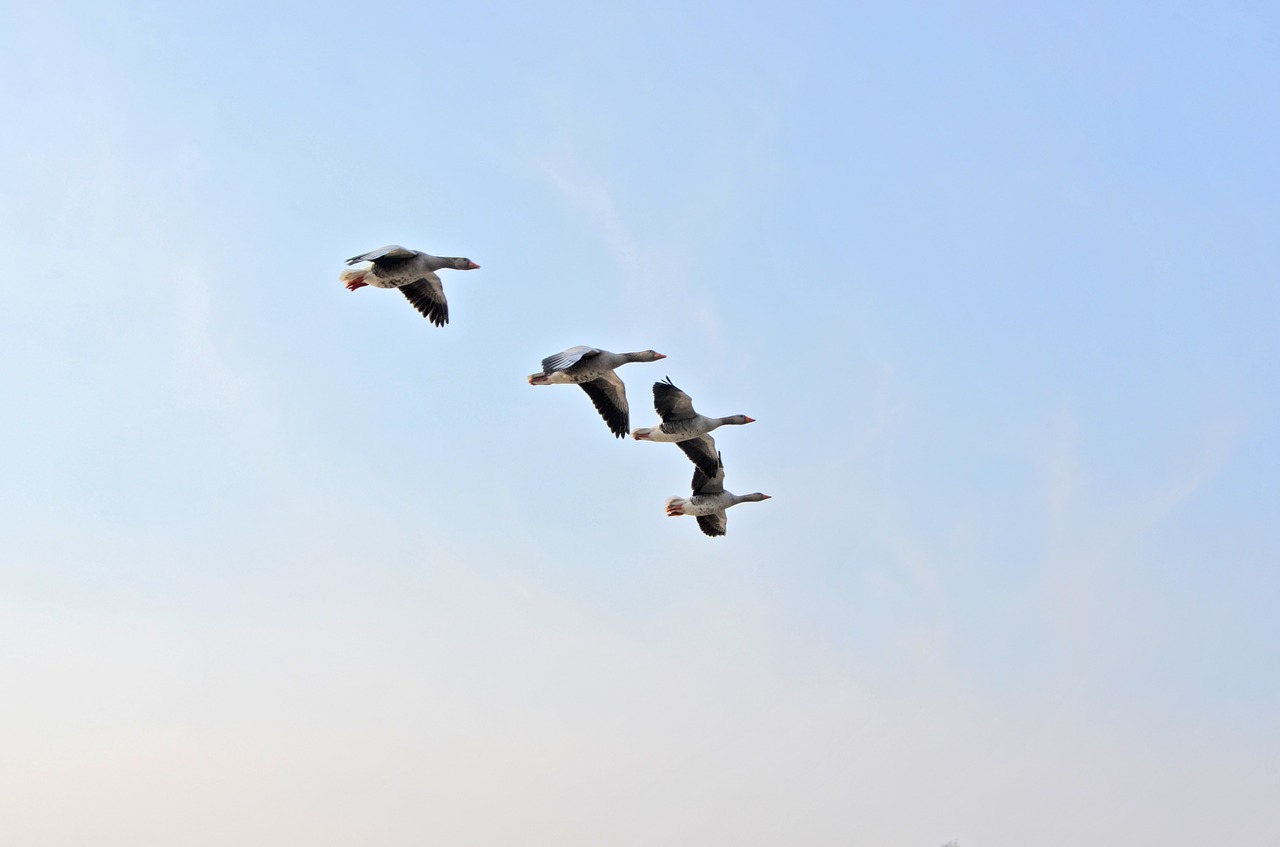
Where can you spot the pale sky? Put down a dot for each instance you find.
(286, 565)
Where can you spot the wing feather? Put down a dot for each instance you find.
(714, 524)
(391, 251)
(427, 296)
(702, 452)
(567, 359)
(670, 402)
(714, 484)
(609, 396)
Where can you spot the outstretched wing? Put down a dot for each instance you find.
(714, 524)
(670, 402)
(427, 296)
(610, 398)
(391, 251)
(713, 484)
(702, 452)
(567, 359)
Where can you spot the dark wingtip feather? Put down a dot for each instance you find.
(421, 297)
(711, 525)
(702, 452)
(618, 420)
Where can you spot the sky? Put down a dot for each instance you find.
(282, 564)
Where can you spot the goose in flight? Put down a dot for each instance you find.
(412, 272)
(682, 425)
(592, 369)
(709, 501)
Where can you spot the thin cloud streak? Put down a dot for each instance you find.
(656, 276)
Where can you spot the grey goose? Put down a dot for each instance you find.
(411, 271)
(592, 369)
(683, 425)
(709, 501)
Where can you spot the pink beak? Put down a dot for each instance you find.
(471, 266)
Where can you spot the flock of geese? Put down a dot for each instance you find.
(590, 368)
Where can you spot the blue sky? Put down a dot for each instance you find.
(284, 564)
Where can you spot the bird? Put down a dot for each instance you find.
(411, 271)
(710, 500)
(592, 368)
(684, 426)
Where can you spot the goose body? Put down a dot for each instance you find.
(682, 425)
(593, 369)
(411, 271)
(709, 501)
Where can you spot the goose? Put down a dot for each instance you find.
(685, 427)
(592, 369)
(412, 272)
(709, 501)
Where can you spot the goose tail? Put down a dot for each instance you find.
(353, 279)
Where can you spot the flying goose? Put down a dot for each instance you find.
(592, 369)
(709, 501)
(412, 272)
(684, 426)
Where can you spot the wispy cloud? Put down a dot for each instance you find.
(654, 276)
(594, 199)
(1100, 543)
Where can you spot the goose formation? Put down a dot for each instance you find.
(591, 369)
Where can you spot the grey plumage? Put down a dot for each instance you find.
(702, 452)
(593, 370)
(709, 500)
(411, 271)
(682, 425)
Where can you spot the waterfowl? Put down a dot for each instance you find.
(592, 368)
(682, 425)
(710, 500)
(411, 271)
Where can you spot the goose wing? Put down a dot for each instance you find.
(567, 359)
(391, 251)
(704, 484)
(609, 396)
(427, 296)
(670, 402)
(714, 524)
(702, 452)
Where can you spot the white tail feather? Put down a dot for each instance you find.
(675, 506)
